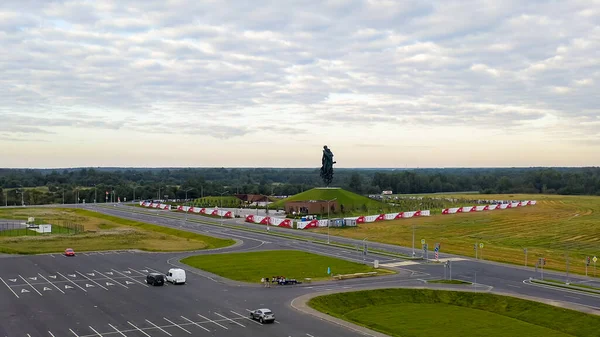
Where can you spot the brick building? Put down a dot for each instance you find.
(310, 207)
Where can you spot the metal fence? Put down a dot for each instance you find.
(22, 228)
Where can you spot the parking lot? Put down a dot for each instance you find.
(105, 294)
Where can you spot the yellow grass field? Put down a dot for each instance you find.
(556, 225)
(101, 232)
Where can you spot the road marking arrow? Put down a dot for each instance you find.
(24, 291)
(72, 275)
(145, 270)
(127, 271)
(91, 274)
(68, 286)
(128, 282)
(109, 284)
(109, 272)
(52, 276)
(46, 289)
(12, 279)
(33, 278)
(88, 285)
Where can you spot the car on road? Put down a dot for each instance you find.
(69, 252)
(176, 276)
(263, 315)
(155, 279)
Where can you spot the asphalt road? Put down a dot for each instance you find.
(104, 294)
(504, 278)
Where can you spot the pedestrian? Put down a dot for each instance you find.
(268, 285)
(262, 280)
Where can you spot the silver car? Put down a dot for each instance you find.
(263, 315)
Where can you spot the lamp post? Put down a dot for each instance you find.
(186, 191)
(365, 248)
(134, 188)
(413, 241)
(95, 193)
(221, 200)
(328, 221)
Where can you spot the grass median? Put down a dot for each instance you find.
(425, 312)
(251, 267)
(101, 232)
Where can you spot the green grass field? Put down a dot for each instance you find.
(251, 267)
(212, 201)
(351, 201)
(557, 224)
(101, 232)
(425, 312)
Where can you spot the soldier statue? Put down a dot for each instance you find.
(327, 166)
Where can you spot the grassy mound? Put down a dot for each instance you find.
(424, 312)
(351, 201)
(251, 267)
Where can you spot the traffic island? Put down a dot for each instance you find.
(289, 264)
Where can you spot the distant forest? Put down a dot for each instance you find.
(45, 186)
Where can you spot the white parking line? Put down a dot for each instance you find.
(210, 320)
(309, 335)
(63, 276)
(244, 317)
(153, 270)
(32, 287)
(196, 324)
(51, 334)
(118, 272)
(159, 328)
(101, 286)
(57, 288)
(229, 319)
(140, 330)
(110, 278)
(117, 330)
(174, 324)
(73, 332)
(9, 288)
(97, 333)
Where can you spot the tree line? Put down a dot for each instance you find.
(46, 186)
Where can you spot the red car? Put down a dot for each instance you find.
(69, 252)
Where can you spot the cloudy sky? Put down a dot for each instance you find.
(267, 83)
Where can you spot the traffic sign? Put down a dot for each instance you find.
(422, 241)
(481, 245)
(595, 259)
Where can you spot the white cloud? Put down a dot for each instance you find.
(224, 74)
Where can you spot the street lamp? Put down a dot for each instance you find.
(186, 191)
(134, 188)
(365, 248)
(328, 220)
(221, 200)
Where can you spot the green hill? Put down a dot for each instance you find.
(351, 201)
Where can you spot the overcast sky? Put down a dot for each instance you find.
(267, 83)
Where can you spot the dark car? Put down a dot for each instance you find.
(155, 279)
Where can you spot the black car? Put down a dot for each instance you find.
(155, 279)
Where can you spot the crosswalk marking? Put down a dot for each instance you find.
(399, 264)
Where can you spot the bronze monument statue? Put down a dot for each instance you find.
(327, 165)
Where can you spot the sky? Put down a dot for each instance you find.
(156, 83)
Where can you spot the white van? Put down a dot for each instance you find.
(176, 276)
